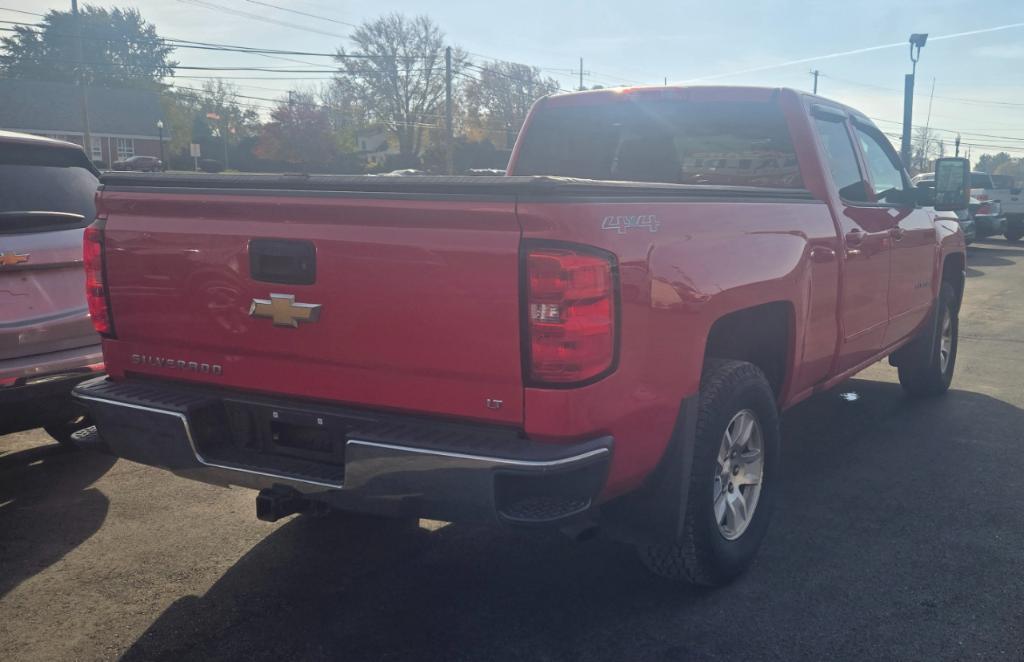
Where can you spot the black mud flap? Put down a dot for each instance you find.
(655, 513)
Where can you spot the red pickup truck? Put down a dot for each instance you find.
(605, 336)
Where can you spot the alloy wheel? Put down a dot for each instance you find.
(739, 474)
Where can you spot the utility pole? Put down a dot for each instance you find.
(917, 41)
(666, 81)
(815, 73)
(581, 73)
(224, 130)
(957, 143)
(448, 138)
(82, 85)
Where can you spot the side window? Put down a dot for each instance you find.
(842, 162)
(886, 175)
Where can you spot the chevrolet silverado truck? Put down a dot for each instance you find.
(606, 336)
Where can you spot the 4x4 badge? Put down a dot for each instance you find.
(10, 259)
(284, 311)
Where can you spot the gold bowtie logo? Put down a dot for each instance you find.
(284, 311)
(10, 259)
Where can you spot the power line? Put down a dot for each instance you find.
(976, 101)
(19, 11)
(615, 78)
(301, 13)
(259, 17)
(498, 72)
(203, 45)
(292, 78)
(953, 131)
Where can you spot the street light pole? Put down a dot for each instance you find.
(917, 41)
(160, 128)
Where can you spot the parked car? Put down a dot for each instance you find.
(1012, 199)
(211, 165)
(485, 172)
(587, 341)
(47, 342)
(404, 172)
(140, 163)
(925, 183)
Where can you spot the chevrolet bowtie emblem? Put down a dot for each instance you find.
(10, 259)
(284, 311)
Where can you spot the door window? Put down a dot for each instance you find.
(886, 174)
(842, 161)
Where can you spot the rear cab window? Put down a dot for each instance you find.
(44, 188)
(676, 141)
(981, 180)
(1003, 181)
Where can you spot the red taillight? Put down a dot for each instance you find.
(95, 286)
(570, 308)
(984, 210)
(982, 197)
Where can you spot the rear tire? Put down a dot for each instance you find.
(1014, 229)
(926, 366)
(731, 493)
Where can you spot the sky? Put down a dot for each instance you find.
(978, 78)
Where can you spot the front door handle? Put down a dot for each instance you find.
(822, 254)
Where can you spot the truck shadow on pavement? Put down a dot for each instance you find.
(889, 523)
(47, 508)
(990, 256)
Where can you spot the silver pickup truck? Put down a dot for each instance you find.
(1008, 192)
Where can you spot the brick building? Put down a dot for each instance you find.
(122, 122)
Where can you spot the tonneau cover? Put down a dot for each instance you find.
(435, 184)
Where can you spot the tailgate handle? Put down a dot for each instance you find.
(282, 261)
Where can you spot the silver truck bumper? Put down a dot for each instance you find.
(362, 461)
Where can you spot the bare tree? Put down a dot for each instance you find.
(925, 148)
(396, 76)
(499, 99)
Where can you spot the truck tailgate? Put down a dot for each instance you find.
(418, 298)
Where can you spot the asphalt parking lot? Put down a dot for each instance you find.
(899, 535)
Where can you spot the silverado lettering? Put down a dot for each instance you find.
(640, 376)
(179, 364)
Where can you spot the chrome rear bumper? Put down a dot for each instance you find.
(375, 462)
